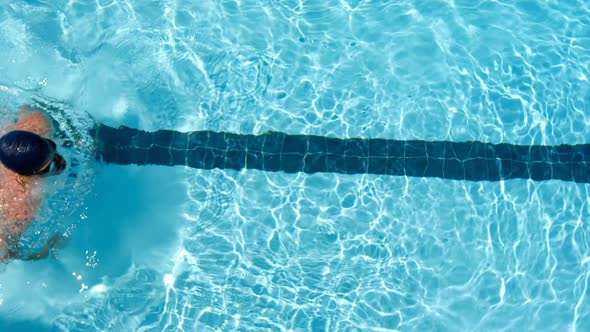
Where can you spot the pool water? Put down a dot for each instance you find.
(176, 249)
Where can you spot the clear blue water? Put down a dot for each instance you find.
(167, 249)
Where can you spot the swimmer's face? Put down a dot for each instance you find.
(56, 163)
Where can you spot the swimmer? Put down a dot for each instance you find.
(27, 155)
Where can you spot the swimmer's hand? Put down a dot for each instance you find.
(56, 241)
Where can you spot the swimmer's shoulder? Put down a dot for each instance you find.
(15, 200)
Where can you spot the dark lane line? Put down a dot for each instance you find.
(279, 152)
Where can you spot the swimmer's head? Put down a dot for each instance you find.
(27, 153)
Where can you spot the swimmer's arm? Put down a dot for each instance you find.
(37, 256)
(54, 242)
(9, 253)
(14, 253)
(33, 121)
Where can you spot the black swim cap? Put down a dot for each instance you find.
(24, 152)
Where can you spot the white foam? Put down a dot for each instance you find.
(169, 280)
(192, 122)
(120, 108)
(98, 290)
